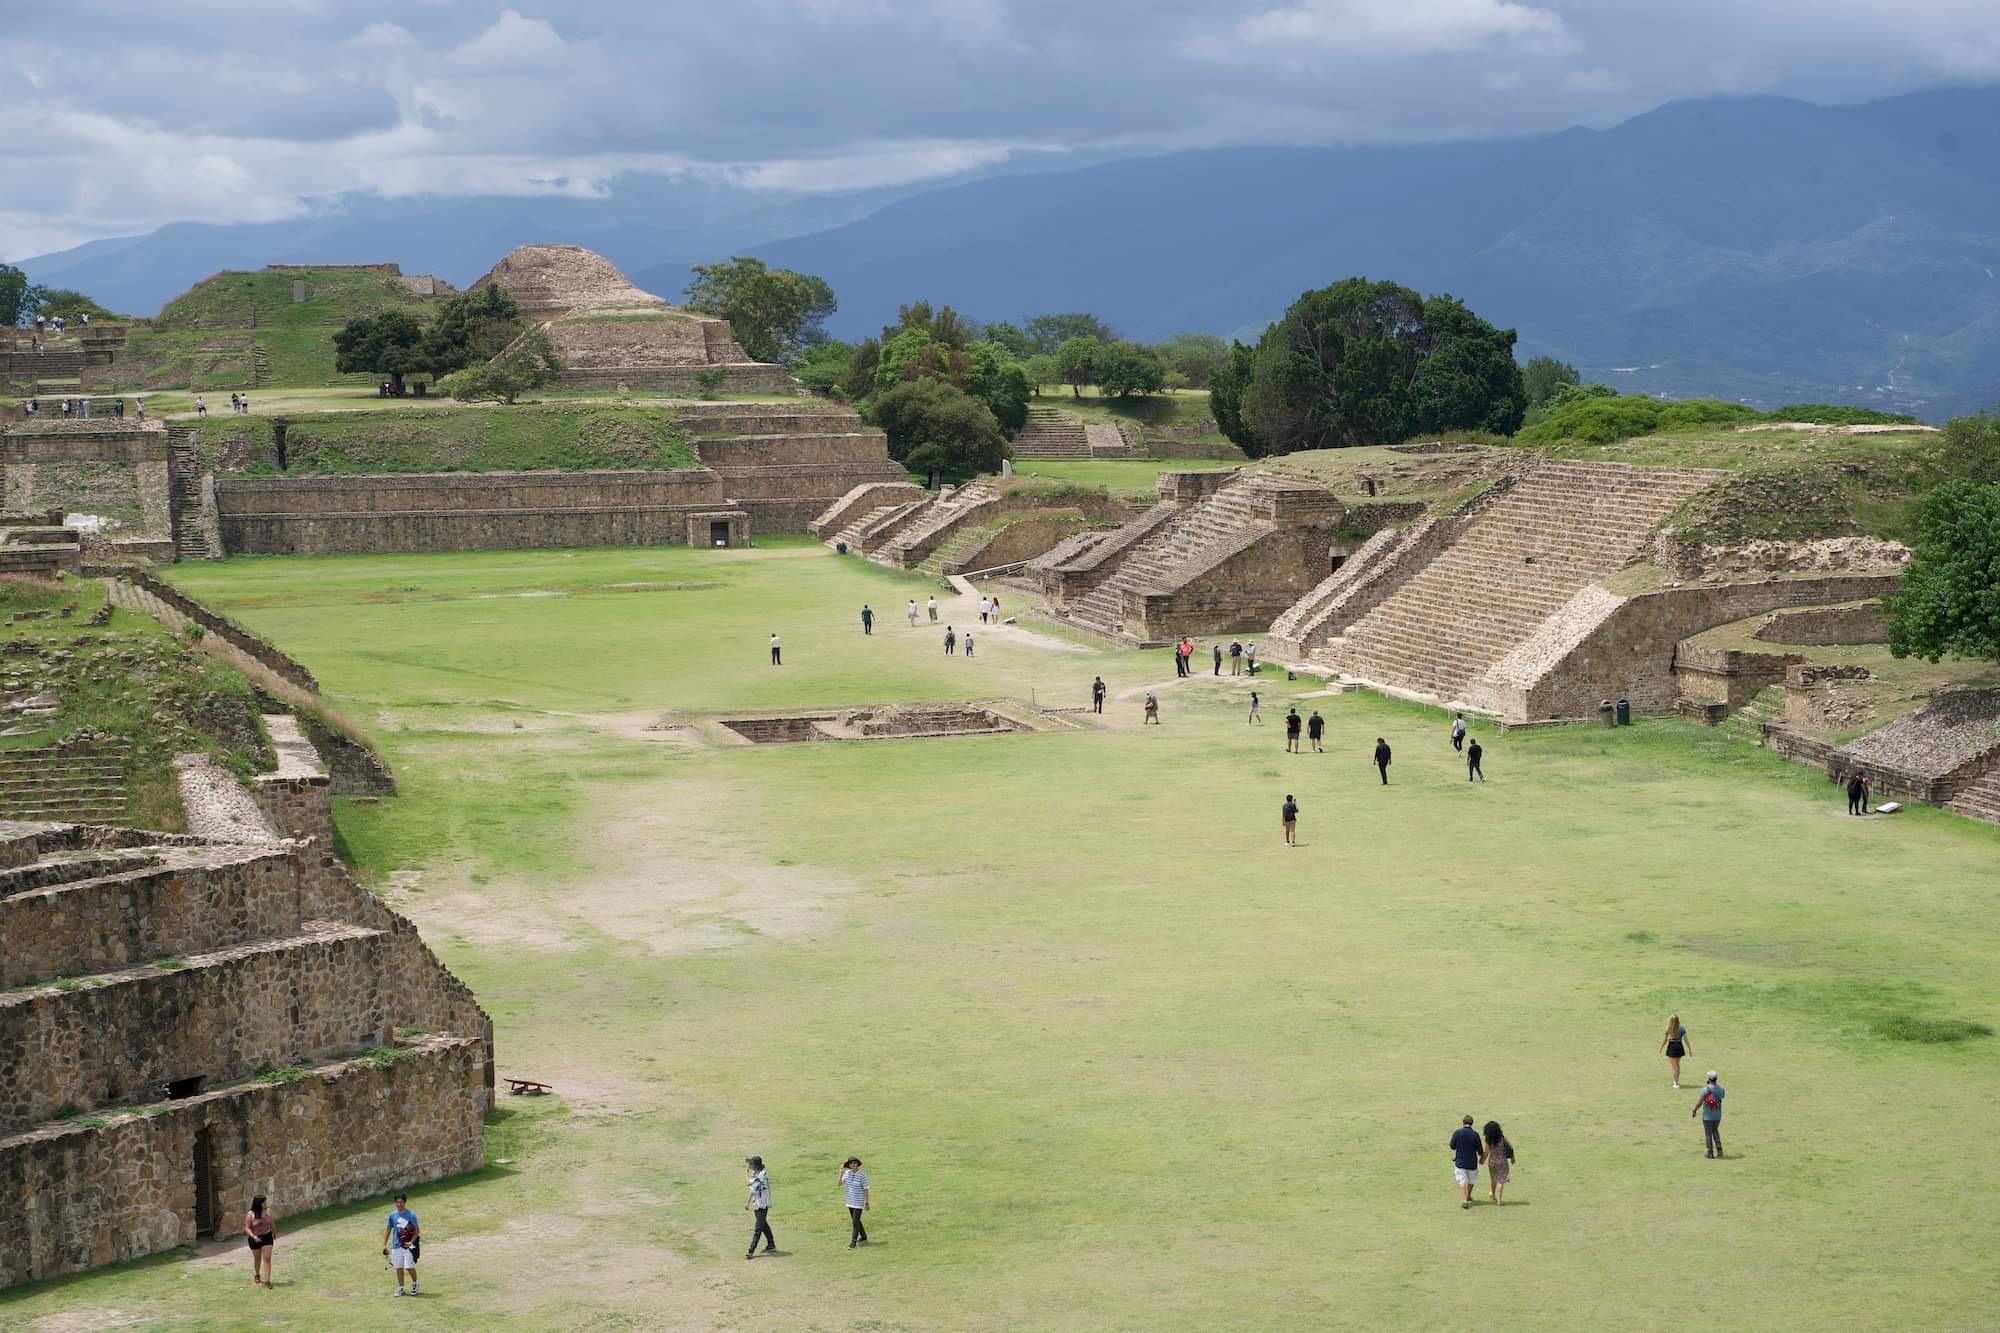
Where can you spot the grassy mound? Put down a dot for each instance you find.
(243, 330)
(448, 439)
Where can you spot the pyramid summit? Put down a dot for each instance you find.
(547, 280)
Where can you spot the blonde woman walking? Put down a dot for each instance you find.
(1675, 1045)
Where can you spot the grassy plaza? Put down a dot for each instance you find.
(1113, 1054)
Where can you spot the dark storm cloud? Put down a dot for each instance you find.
(205, 109)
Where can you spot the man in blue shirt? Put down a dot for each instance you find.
(1709, 1107)
(400, 1239)
(1467, 1152)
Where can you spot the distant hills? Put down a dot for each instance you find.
(1757, 248)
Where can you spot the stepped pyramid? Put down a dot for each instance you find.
(609, 332)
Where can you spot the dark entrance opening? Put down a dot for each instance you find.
(1334, 563)
(204, 1185)
(718, 532)
(185, 1087)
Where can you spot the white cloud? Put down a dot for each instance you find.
(513, 45)
(1395, 27)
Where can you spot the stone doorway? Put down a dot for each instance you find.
(204, 1185)
(718, 532)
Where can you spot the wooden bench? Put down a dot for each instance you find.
(517, 1087)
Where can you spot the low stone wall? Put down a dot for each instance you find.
(1726, 676)
(122, 920)
(1243, 592)
(117, 471)
(1822, 626)
(172, 607)
(867, 448)
(1627, 652)
(298, 807)
(1188, 488)
(1019, 541)
(92, 1195)
(859, 501)
(747, 378)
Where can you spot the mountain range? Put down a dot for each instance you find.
(1756, 248)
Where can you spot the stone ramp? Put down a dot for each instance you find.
(858, 503)
(1563, 527)
(938, 520)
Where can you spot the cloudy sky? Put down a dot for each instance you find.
(122, 115)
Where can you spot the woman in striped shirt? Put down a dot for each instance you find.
(854, 1184)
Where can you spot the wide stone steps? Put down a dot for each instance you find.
(851, 534)
(64, 786)
(1175, 552)
(909, 546)
(1051, 434)
(884, 526)
(1980, 799)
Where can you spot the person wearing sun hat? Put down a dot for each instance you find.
(1709, 1107)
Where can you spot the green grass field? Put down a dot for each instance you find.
(1130, 478)
(1115, 1056)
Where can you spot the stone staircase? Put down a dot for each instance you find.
(68, 786)
(1980, 798)
(191, 539)
(952, 553)
(872, 530)
(1051, 434)
(1106, 439)
(938, 519)
(1562, 528)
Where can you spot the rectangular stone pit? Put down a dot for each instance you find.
(869, 724)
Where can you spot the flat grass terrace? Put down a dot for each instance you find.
(1114, 1055)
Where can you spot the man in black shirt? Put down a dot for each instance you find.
(1218, 658)
(1472, 753)
(1857, 794)
(1467, 1152)
(1382, 758)
(1097, 695)
(1315, 728)
(1289, 813)
(1292, 725)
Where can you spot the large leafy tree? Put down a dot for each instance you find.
(17, 296)
(471, 327)
(939, 431)
(1125, 368)
(1372, 363)
(1047, 333)
(1543, 375)
(1001, 383)
(1967, 449)
(389, 342)
(775, 313)
(1076, 361)
(529, 363)
(72, 305)
(1950, 598)
(1195, 355)
(1226, 387)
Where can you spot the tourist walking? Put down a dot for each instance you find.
(996, 608)
(1316, 728)
(854, 1188)
(1382, 764)
(932, 604)
(1184, 657)
(1218, 657)
(1499, 1161)
(983, 607)
(200, 408)
(402, 1242)
(913, 613)
(1467, 1152)
(1857, 793)
(1251, 654)
(262, 1231)
(232, 404)
(1289, 814)
(1675, 1045)
(1235, 657)
(867, 619)
(1458, 732)
(1293, 724)
(968, 643)
(1256, 710)
(1097, 695)
(1152, 710)
(1473, 754)
(777, 658)
(759, 1203)
(1709, 1107)
(950, 641)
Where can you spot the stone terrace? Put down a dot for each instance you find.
(185, 1024)
(1561, 528)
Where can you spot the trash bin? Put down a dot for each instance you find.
(1607, 714)
(1624, 712)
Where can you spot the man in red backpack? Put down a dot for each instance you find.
(1709, 1107)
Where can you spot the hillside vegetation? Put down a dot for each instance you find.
(443, 439)
(244, 331)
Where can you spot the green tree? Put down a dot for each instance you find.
(824, 368)
(1226, 388)
(1047, 333)
(1195, 355)
(50, 302)
(1365, 362)
(470, 328)
(1950, 598)
(529, 363)
(1042, 369)
(390, 342)
(1967, 449)
(1076, 360)
(15, 301)
(775, 313)
(1009, 339)
(1001, 383)
(1125, 368)
(936, 430)
(907, 353)
(1543, 375)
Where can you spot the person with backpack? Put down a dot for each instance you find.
(950, 641)
(1499, 1161)
(1152, 710)
(402, 1242)
(1097, 695)
(759, 1203)
(261, 1230)
(1709, 1107)
(1293, 724)
(1288, 813)
(854, 1188)
(1235, 657)
(1382, 764)
(1458, 732)
(1316, 728)
(1467, 1152)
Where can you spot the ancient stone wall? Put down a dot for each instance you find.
(1818, 626)
(1246, 591)
(1627, 651)
(113, 471)
(868, 448)
(1726, 676)
(94, 1194)
(136, 590)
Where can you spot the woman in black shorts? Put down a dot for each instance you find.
(1675, 1045)
(262, 1231)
